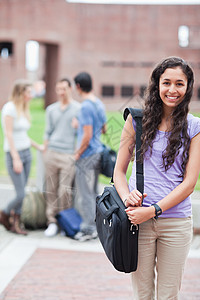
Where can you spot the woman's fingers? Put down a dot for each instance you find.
(135, 198)
(17, 166)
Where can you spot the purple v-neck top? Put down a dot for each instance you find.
(157, 182)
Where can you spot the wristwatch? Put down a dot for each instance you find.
(158, 210)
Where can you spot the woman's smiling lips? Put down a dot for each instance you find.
(172, 98)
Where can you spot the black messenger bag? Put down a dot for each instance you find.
(117, 235)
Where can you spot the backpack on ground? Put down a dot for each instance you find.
(33, 214)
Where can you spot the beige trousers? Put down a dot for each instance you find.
(59, 176)
(163, 248)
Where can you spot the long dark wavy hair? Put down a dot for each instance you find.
(153, 112)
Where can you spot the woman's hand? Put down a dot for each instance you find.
(41, 148)
(138, 215)
(17, 165)
(134, 198)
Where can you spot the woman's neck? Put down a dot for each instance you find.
(166, 123)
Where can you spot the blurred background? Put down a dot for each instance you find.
(118, 42)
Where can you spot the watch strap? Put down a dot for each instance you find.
(158, 210)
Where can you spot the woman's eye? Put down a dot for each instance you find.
(166, 83)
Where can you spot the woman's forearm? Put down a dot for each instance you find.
(121, 185)
(180, 193)
(13, 152)
(185, 188)
(9, 136)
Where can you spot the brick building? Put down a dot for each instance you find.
(117, 44)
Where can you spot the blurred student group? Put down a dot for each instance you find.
(71, 154)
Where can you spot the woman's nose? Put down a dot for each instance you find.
(172, 88)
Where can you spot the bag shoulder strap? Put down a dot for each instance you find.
(137, 114)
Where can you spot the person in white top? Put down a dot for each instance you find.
(15, 124)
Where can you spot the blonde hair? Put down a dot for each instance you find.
(17, 96)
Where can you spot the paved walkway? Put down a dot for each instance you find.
(39, 268)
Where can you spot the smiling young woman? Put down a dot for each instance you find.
(15, 124)
(172, 87)
(171, 156)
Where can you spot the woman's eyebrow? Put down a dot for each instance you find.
(166, 79)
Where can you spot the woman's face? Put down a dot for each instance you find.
(172, 87)
(28, 94)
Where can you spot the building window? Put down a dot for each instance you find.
(32, 55)
(142, 90)
(127, 91)
(6, 49)
(183, 36)
(198, 93)
(108, 90)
